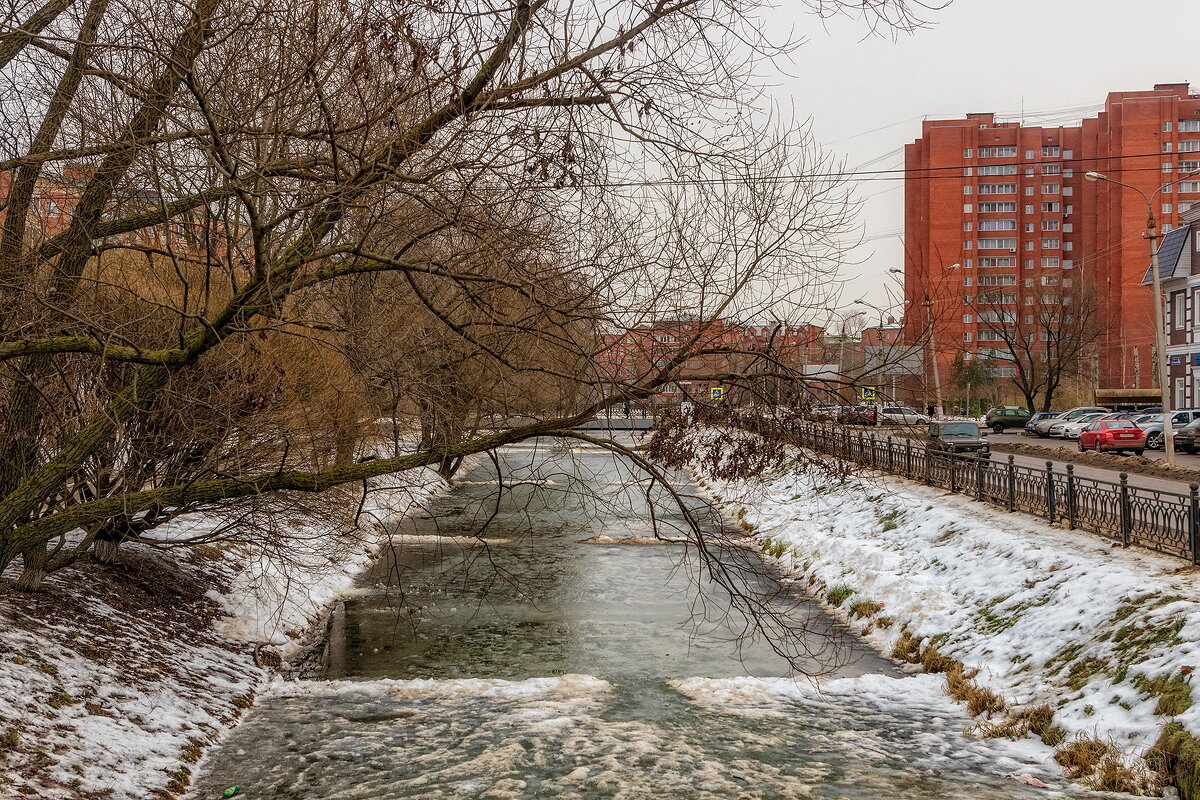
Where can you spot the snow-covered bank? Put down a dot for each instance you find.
(115, 679)
(1106, 637)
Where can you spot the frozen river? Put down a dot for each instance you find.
(535, 664)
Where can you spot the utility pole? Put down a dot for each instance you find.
(931, 347)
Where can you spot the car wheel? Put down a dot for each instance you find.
(1082, 449)
(1154, 441)
(1191, 451)
(998, 428)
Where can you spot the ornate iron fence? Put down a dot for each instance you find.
(1163, 521)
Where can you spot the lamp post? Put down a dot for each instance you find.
(1160, 339)
(931, 343)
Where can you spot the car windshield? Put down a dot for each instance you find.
(958, 429)
(1148, 418)
(1118, 423)
(1089, 418)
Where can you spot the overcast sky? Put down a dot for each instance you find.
(1056, 59)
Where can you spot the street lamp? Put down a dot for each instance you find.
(1160, 342)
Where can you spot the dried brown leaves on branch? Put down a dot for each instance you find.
(237, 234)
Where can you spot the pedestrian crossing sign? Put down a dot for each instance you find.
(716, 392)
(868, 393)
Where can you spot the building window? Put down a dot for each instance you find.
(1050, 188)
(1050, 151)
(1029, 283)
(1067, 211)
(967, 263)
(1068, 154)
(1029, 227)
(1166, 208)
(967, 171)
(1050, 262)
(967, 190)
(52, 209)
(967, 226)
(997, 188)
(1050, 243)
(1006, 151)
(1028, 208)
(1068, 172)
(1068, 264)
(1180, 310)
(998, 244)
(1029, 263)
(1029, 319)
(1051, 224)
(1051, 169)
(967, 153)
(997, 207)
(1068, 227)
(996, 261)
(1166, 147)
(1167, 127)
(1068, 245)
(968, 244)
(1189, 186)
(997, 224)
(966, 281)
(1028, 300)
(999, 169)
(1029, 172)
(967, 336)
(1189, 146)
(997, 280)
(1068, 191)
(1189, 125)
(1029, 154)
(967, 208)
(1067, 282)
(1168, 166)
(1029, 245)
(968, 319)
(1029, 191)
(1050, 208)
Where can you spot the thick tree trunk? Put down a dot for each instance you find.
(34, 569)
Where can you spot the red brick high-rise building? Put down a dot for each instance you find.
(1002, 211)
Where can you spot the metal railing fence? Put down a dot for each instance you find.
(1163, 521)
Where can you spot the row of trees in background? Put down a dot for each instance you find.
(237, 234)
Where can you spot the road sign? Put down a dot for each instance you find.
(716, 392)
(868, 393)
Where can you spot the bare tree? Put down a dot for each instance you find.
(194, 191)
(1046, 341)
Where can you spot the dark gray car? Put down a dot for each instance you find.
(957, 437)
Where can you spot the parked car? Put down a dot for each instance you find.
(898, 415)
(1071, 430)
(1002, 417)
(1042, 428)
(861, 415)
(1187, 438)
(823, 412)
(1153, 427)
(1113, 436)
(1039, 417)
(957, 436)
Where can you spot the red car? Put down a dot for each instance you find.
(1114, 436)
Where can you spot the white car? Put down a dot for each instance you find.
(898, 415)
(1070, 430)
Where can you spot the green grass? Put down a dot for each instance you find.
(839, 594)
(1173, 693)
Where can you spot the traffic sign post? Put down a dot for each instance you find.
(716, 393)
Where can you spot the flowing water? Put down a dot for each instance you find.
(493, 653)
